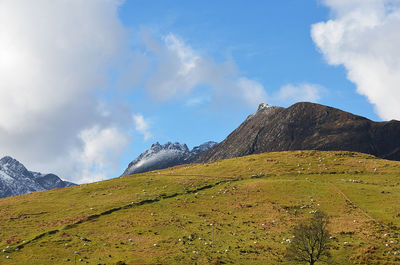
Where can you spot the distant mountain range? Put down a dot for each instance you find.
(15, 179)
(307, 126)
(164, 156)
(302, 126)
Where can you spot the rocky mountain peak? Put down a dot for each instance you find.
(175, 146)
(8, 161)
(15, 179)
(11, 165)
(203, 147)
(307, 126)
(166, 155)
(263, 106)
(156, 146)
(262, 111)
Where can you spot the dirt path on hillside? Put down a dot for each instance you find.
(370, 218)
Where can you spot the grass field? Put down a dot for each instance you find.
(238, 211)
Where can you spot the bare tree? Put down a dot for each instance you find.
(311, 240)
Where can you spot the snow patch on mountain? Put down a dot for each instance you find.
(15, 179)
(203, 147)
(164, 156)
(262, 110)
(5, 177)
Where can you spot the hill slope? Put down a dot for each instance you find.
(15, 179)
(253, 202)
(308, 126)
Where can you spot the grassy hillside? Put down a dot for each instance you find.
(246, 206)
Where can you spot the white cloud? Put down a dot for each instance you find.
(180, 70)
(57, 56)
(187, 58)
(101, 150)
(142, 126)
(54, 57)
(363, 36)
(197, 101)
(252, 91)
(292, 93)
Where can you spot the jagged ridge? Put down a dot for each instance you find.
(164, 156)
(15, 179)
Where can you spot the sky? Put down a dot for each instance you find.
(86, 86)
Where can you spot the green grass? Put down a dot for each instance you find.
(253, 203)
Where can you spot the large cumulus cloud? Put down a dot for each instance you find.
(54, 57)
(364, 37)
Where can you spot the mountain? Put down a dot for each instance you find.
(15, 179)
(164, 156)
(203, 147)
(308, 126)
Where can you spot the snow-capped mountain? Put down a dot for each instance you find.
(164, 156)
(15, 179)
(203, 147)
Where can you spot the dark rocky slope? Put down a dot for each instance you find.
(308, 126)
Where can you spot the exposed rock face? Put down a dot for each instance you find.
(51, 181)
(308, 126)
(15, 179)
(164, 156)
(202, 148)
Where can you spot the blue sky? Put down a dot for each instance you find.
(269, 41)
(88, 85)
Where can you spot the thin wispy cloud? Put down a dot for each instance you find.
(197, 101)
(101, 150)
(292, 93)
(142, 126)
(180, 70)
(252, 91)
